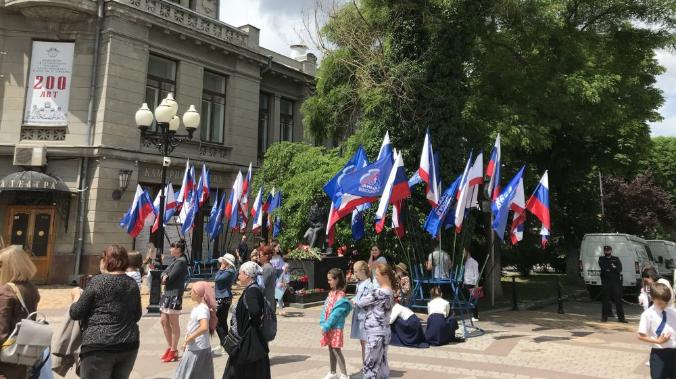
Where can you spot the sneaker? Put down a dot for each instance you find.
(623, 321)
(331, 375)
(647, 363)
(474, 319)
(343, 376)
(218, 351)
(166, 353)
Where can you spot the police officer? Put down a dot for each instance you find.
(611, 283)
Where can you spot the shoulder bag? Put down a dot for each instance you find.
(30, 337)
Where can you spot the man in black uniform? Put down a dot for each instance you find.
(611, 283)
(243, 250)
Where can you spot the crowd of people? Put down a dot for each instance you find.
(104, 315)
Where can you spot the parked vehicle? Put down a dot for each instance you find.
(634, 253)
(664, 253)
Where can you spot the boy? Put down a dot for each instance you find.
(657, 326)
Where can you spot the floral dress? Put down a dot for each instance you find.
(334, 337)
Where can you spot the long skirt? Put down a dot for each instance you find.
(197, 364)
(259, 369)
(438, 330)
(375, 358)
(408, 333)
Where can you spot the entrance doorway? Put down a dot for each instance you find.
(33, 228)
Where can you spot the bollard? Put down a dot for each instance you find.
(559, 291)
(514, 305)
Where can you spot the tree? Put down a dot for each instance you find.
(569, 85)
(639, 207)
(662, 163)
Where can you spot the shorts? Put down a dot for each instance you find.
(171, 304)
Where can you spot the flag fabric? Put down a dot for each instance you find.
(397, 219)
(187, 184)
(257, 212)
(538, 204)
(518, 206)
(188, 212)
(428, 171)
(396, 189)
(463, 194)
(440, 213)
(357, 225)
(277, 222)
(232, 209)
(474, 179)
(203, 186)
(502, 203)
(215, 217)
(246, 183)
(385, 147)
(169, 206)
(141, 207)
(493, 170)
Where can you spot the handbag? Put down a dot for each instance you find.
(29, 339)
(231, 343)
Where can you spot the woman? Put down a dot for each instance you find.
(403, 295)
(15, 267)
(108, 310)
(171, 302)
(250, 360)
(223, 281)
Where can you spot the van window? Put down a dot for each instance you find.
(641, 251)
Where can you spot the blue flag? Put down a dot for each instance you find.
(357, 161)
(276, 203)
(438, 214)
(357, 225)
(501, 204)
(190, 208)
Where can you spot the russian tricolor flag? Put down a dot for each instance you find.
(385, 147)
(428, 171)
(232, 208)
(538, 204)
(187, 185)
(493, 170)
(169, 206)
(396, 189)
(462, 195)
(203, 186)
(518, 206)
(141, 208)
(246, 183)
(257, 212)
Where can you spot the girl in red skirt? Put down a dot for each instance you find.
(332, 320)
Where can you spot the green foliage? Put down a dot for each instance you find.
(569, 85)
(662, 163)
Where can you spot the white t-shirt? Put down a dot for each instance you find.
(200, 312)
(651, 319)
(135, 275)
(439, 305)
(400, 311)
(471, 272)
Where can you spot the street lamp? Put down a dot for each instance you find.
(166, 139)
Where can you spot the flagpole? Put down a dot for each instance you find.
(492, 257)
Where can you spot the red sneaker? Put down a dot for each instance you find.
(171, 357)
(166, 353)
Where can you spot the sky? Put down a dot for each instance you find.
(281, 24)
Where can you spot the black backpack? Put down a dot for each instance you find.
(269, 318)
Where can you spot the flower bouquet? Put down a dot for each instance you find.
(305, 253)
(309, 295)
(298, 281)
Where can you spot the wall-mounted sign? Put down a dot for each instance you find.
(49, 83)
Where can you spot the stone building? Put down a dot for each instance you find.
(73, 74)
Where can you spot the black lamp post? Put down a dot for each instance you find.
(166, 140)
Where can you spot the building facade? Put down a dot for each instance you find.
(73, 74)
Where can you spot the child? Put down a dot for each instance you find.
(332, 321)
(657, 326)
(197, 362)
(280, 288)
(404, 284)
(134, 268)
(439, 331)
(378, 306)
(364, 287)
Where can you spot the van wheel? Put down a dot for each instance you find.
(594, 292)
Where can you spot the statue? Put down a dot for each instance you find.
(315, 233)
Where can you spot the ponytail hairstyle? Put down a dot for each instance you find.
(386, 270)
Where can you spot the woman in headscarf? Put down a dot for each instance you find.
(250, 359)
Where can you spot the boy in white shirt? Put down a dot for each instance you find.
(657, 326)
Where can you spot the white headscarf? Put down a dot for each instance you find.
(251, 269)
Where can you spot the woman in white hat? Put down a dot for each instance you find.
(223, 281)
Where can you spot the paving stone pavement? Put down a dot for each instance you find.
(526, 344)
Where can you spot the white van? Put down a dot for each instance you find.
(664, 253)
(632, 251)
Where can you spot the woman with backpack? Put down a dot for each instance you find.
(18, 298)
(246, 345)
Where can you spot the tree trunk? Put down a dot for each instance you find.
(572, 269)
